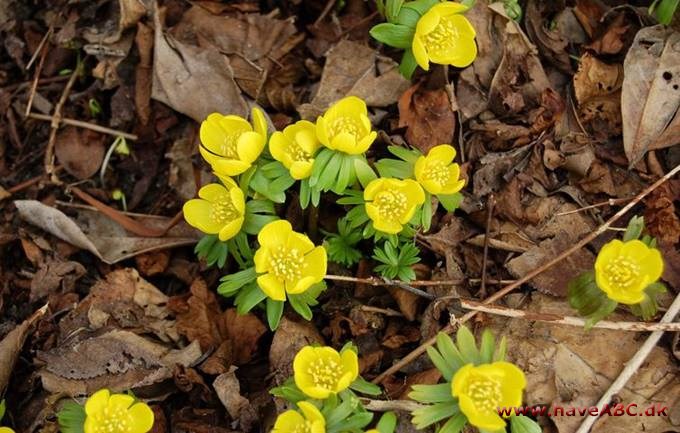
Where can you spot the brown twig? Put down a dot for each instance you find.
(56, 118)
(36, 78)
(490, 203)
(499, 310)
(30, 182)
(361, 22)
(387, 405)
(85, 125)
(324, 12)
(386, 311)
(375, 281)
(610, 202)
(509, 288)
(42, 43)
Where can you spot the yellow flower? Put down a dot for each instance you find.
(437, 173)
(322, 371)
(482, 389)
(6, 430)
(116, 413)
(624, 269)
(311, 420)
(219, 210)
(391, 203)
(230, 144)
(345, 127)
(288, 261)
(444, 36)
(295, 148)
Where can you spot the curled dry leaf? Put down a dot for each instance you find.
(550, 42)
(11, 346)
(80, 151)
(228, 391)
(355, 69)
(100, 235)
(597, 87)
(428, 116)
(651, 92)
(118, 360)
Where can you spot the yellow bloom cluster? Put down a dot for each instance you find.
(322, 371)
(482, 389)
(287, 261)
(219, 210)
(437, 173)
(444, 36)
(391, 203)
(624, 269)
(308, 420)
(116, 413)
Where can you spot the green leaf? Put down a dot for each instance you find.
(432, 393)
(426, 213)
(355, 422)
(392, 9)
(274, 313)
(408, 17)
(233, 282)
(605, 310)
(454, 424)
(441, 364)
(408, 64)
(393, 168)
(305, 193)
(449, 351)
(329, 176)
(665, 10)
(337, 416)
(501, 350)
(344, 175)
(260, 206)
(300, 306)
(2, 409)
(523, 424)
(288, 391)
(467, 345)
(254, 223)
(486, 348)
(635, 227)
(320, 162)
(363, 171)
(249, 297)
(387, 423)
(394, 35)
(421, 6)
(363, 386)
(71, 418)
(434, 413)
(450, 202)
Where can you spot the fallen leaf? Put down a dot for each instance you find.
(53, 274)
(118, 360)
(80, 151)
(497, 167)
(355, 69)
(428, 116)
(408, 302)
(651, 92)
(661, 216)
(597, 87)
(228, 391)
(152, 263)
(11, 345)
(550, 42)
(288, 339)
(123, 15)
(100, 235)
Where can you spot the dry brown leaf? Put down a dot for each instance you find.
(153, 263)
(53, 274)
(117, 360)
(355, 69)
(80, 151)
(204, 73)
(550, 42)
(124, 14)
(100, 235)
(10, 347)
(228, 391)
(651, 92)
(428, 116)
(661, 216)
(144, 72)
(597, 87)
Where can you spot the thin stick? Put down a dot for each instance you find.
(500, 310)
(375, 281)
(632, 365)
(30, 182)
(387, 405)
(36, 78)
(324, 12)
(42, 43)
(386, 311)
(509, 288)
(56, 118)
(85, 125)
(490, 203)
(610, 202)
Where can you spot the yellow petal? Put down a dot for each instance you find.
(350, 362)
(213, 192)
(414, 192)
(299, 242)
(91, 425)
(489, 421)
(373, 187)
(306, 136)
(318, 427)
(310, 412)
(259, 122)
(428, 22)
(322, 132)
(249, 146)
(420, 53)
(301, 169)
(288, 422)
(463, 26)
(444, 153)
(197, 214)
(652, 265)
(272, 287)
(608, 252)
(460, 380)
(228, 182)
(97, 402)
(406, 216)
(419, 168)
(120, 401)
(275, 233)
(211, 133)
(449, 8)
(315, 264)
(365, 143)
(452, 187)
(6, 430)
(300, 286)
(261, 260)
(344, 142)
(390, 227)
(278, 147)
(142, 418)
(231, 229)
(230, 167)
(238, 200)
(350, 105)
(432, 186)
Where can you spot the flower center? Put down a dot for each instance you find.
(298, 153)
(438, 172)
(485, 393)
(325, 373)
(622, 271)
(116, 420)
(223, 210)
(443, 37)
(345, 124)
(391, 204)
(228, 147)
(303, 427)
(286, 264)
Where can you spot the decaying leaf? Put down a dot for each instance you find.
(100, 235)
(549, 41)
(80, 151)
(355, 69)
(597, 86)
(651, 92)
(229, 392)
(429, 117)
(52, 274)
(118, 360)
(11, 345)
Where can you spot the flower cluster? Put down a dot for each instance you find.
(626, 271)
(429, 32)
(477, 382)
(322, 388)
(105, 412)
(390, 200)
